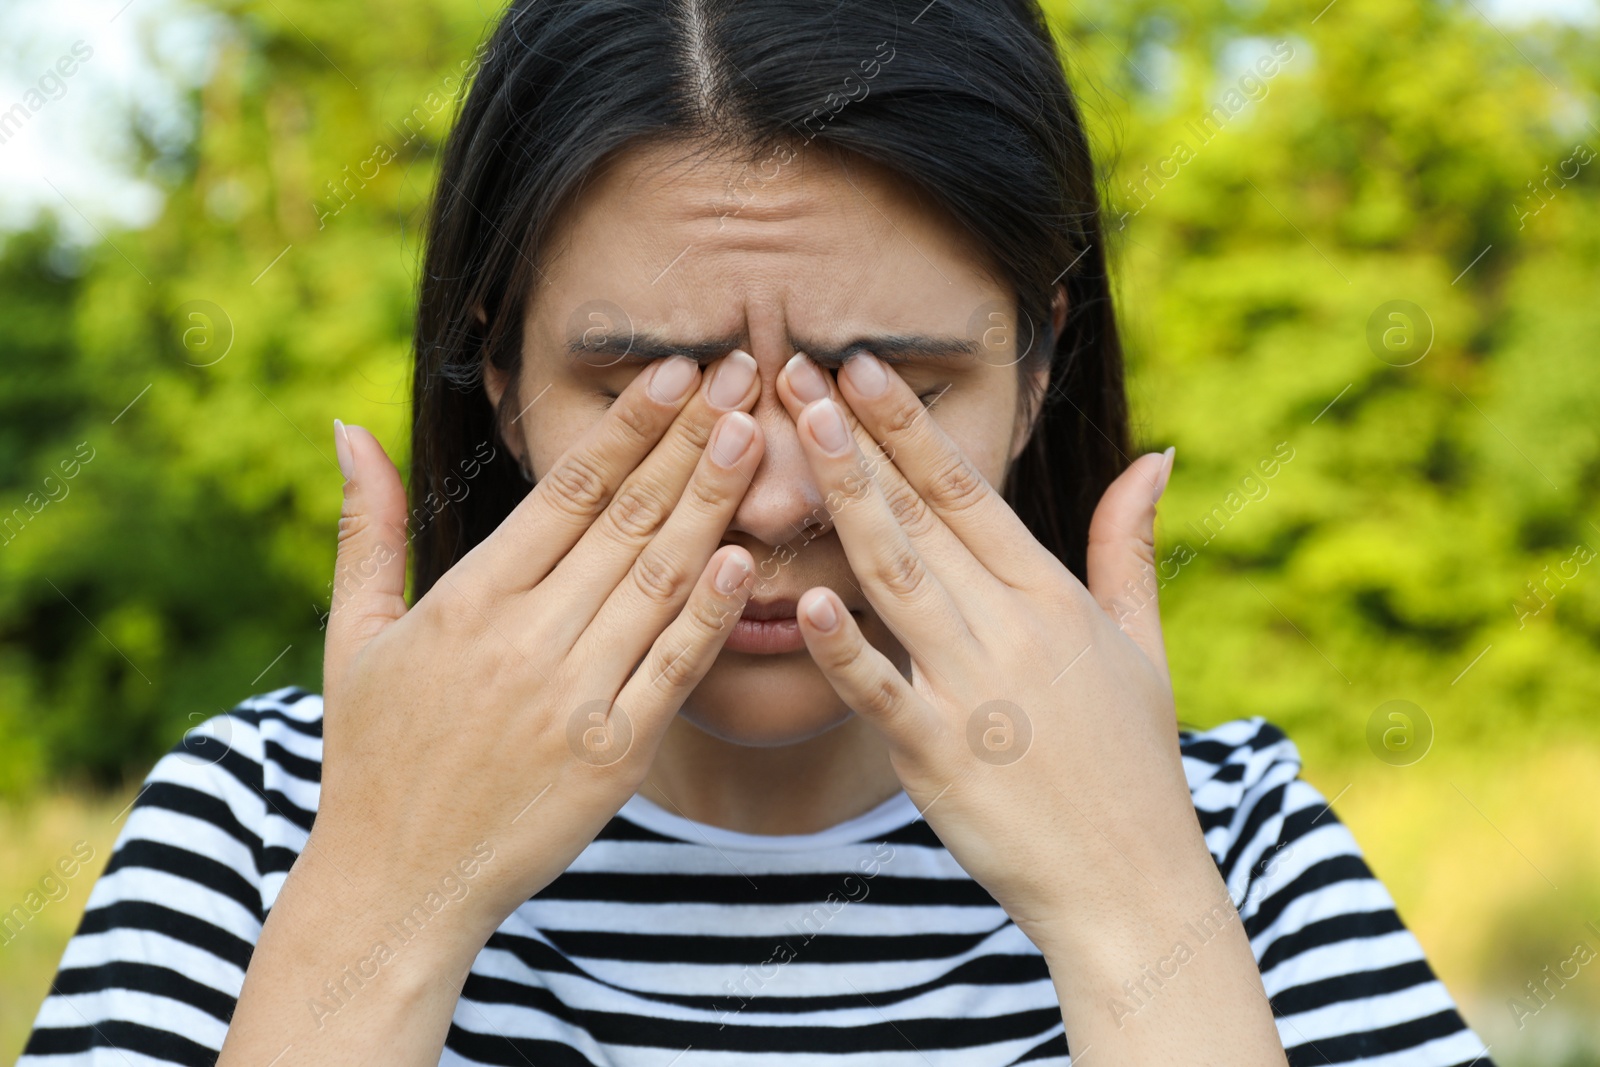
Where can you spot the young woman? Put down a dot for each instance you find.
(737, 717)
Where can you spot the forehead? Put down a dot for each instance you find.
(793, 240)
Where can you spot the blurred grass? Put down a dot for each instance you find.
(34, 834)
(1465, 843)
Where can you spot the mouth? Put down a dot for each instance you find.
(770, 627)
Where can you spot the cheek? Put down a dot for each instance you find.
(981, 427)
(558, 420)
(987, 451)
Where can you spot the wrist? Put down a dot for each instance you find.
(1109, 920)
(331, 979)
(360, 919)
(1167, 969)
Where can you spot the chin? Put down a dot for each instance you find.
(765, 701)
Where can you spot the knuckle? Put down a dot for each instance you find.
(636, 511)
(695, 431)
(365, 548)
(876, 690)
(879, 696)
(846, 660)
(674, 668)
(909, 509)
(902, 573)
(352, 524)
(576, 486)
(706, 494)
(956, 485)
(901, 422)
(712, 616)
(1144, 547)
(442, 616)
(1139, 541)
(634, 423)
(460, 635)
(883, 698)
(659, 580)
(1144, 550)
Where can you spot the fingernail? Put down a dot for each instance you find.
(827, 425)
(731, 573)
(732, 438)
(866, 373)
(1165, 473)
(341, 449)
(805, 378)
(821, 614)
(672, 379)
(731, 380)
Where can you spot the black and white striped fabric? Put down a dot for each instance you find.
(673, 942)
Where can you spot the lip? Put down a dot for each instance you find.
(768, 628)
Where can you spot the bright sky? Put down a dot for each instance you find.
(69, 157)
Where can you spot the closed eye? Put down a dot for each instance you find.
(928, 399)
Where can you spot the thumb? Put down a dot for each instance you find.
(1122, 552)
(369, 572)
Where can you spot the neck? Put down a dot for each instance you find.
(784, 789)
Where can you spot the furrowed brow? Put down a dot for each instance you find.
(643, 347)
(894, 348)
(640, 347)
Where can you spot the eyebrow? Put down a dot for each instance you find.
(643, 347)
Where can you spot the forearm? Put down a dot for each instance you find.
(342, 974)
(1163, 976)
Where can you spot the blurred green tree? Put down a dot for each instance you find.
(1277, 174)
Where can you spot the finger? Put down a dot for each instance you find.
(894, 575)
(1121, 562)
(803, 381)
(680, 657)
(937, 470)
(589, 574)
(544, 526)
(655, 587)
(861, 675)
(369, 571)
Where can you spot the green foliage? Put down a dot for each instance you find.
(1395, 145)
(202, 361)
(1387, 148)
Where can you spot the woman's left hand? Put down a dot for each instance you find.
(1037, 731)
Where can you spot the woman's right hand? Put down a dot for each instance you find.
(496, 726)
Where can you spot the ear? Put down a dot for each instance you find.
(495, 380)
(495, 383)
(1041, 375)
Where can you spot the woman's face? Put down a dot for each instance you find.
(774, 257)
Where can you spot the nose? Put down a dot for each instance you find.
(784, 504)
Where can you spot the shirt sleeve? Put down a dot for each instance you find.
(1347, 981)
(153, 972)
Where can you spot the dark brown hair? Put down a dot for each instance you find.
(966, 98)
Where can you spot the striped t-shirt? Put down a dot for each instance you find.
(669, 941)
